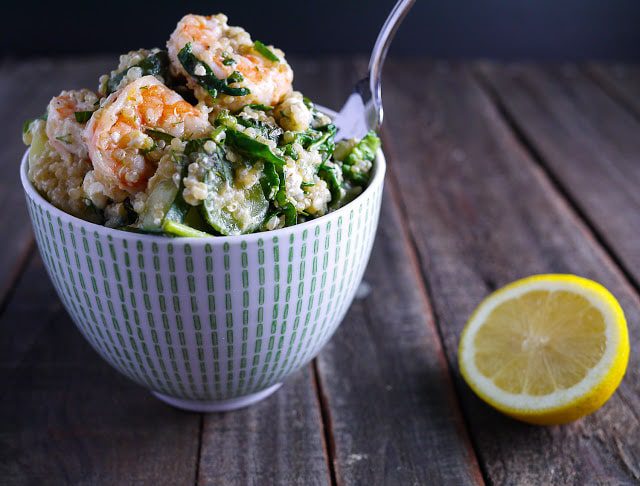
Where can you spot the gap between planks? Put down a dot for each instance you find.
(608, 85)
(424, 290)
(539, 162)
(196, 476)
(15, 275)
(328, 441)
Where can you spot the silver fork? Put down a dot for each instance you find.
(363, 109)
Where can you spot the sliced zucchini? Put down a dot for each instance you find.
(194, 219)
(158, 203)
(248, 215)
(178, 209)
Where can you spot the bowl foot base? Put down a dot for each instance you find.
(218, 406)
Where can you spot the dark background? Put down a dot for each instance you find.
(454, 29)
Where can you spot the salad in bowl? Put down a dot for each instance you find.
(204, 138)
(200, 223)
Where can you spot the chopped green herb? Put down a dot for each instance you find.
(271, 181)
(308, 103)
(265, 51)
(329, 172)
(307, 184)
(159, 135)
(250, 146)
(290, 215)
(260, 107)
(216, 135)
(208, 81)
(155, 64)
(264, 129)
(83, 116)
(235, 77)
(227, 60)
(26, 125)
(65, 138)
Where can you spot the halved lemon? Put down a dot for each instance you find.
(547, 349)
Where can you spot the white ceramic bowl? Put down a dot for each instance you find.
(208, 324)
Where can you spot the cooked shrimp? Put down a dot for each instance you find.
(63, 130)
(115, 134)
(226, 49)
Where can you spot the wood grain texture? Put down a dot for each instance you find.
(620, 81)
(25, 90)
(278, 441)
(387, 386)
(483, 214)
(390, 407)
(587, 140)
(67, 416)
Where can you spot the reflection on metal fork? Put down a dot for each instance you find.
(363, 110)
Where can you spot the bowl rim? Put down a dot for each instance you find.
(377, 178)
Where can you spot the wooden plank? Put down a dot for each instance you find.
(482, 214)
(619, 80)
(25, 90)
(387, 395)
(277, 441)
(67, 417)
(588, 141)
(387, 386)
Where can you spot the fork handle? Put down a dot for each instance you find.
(379, 54)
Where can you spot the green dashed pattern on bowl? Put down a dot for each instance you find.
(208, 320)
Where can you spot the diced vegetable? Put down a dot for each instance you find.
(208, 81)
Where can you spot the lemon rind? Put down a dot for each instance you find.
(599, 383)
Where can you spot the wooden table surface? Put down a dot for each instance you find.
(495, 172)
